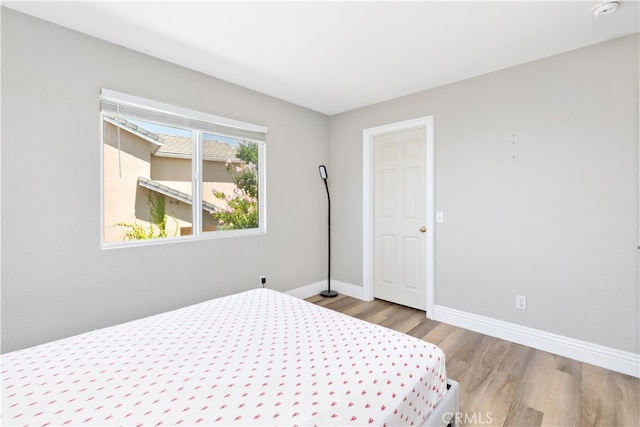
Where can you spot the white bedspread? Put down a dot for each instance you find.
(255, 358)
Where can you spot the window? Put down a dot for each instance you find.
(171, 174)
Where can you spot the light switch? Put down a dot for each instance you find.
(439, 217)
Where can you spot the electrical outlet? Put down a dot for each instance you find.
(263, 281)
(521, 302)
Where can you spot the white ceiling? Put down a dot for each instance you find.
(335, 56)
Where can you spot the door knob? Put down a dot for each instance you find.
(423, 229)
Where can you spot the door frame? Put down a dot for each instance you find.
(368, 136)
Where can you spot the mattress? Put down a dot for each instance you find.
(259, 357)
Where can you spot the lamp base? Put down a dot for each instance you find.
(328, 293)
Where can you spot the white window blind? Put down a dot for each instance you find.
(118, 104)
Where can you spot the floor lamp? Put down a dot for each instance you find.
(327, 292)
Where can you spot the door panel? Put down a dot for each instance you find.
(399, 273)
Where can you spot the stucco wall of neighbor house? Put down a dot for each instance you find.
(557, 223)
(125, 201)
(56, 281)
(122, 200)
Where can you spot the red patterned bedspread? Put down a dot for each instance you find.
(255, 358)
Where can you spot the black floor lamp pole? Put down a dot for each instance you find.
(327, 292)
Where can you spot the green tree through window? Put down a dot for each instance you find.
(242, 206)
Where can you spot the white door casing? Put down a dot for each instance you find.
(409, 272)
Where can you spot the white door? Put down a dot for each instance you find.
(399, 218)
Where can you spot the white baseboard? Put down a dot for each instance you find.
(307, 291)
(595, 354)
(315, 288)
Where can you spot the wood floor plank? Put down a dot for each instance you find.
(314, 299)
(439, 333)
(523, 416)
(381, 315)
(327, 302)
(536, 386)
(457, 369)
(406, 321)
(628, 390)
(508, 384)
(516, 360)
(495, 400)
(608, 398)
(561, 402)
(367, 309)
(596, 387)
(482, 369)
(455, 339)
(423, 328)
(340, 303)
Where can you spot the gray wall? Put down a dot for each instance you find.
(557, 223)
(55, 279)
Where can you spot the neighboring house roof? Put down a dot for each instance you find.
(177, 146)
(173, 193)
(156, 140)
(180, 146)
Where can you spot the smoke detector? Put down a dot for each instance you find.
(605, 8)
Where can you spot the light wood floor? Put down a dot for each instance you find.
(507, 384)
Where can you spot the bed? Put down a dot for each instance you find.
(259, 357)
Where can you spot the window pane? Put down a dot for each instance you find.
(229, 183)
(148, 188)
(170, 172)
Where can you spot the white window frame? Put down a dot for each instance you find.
(189, 115)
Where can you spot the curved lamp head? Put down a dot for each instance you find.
(323, 171)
